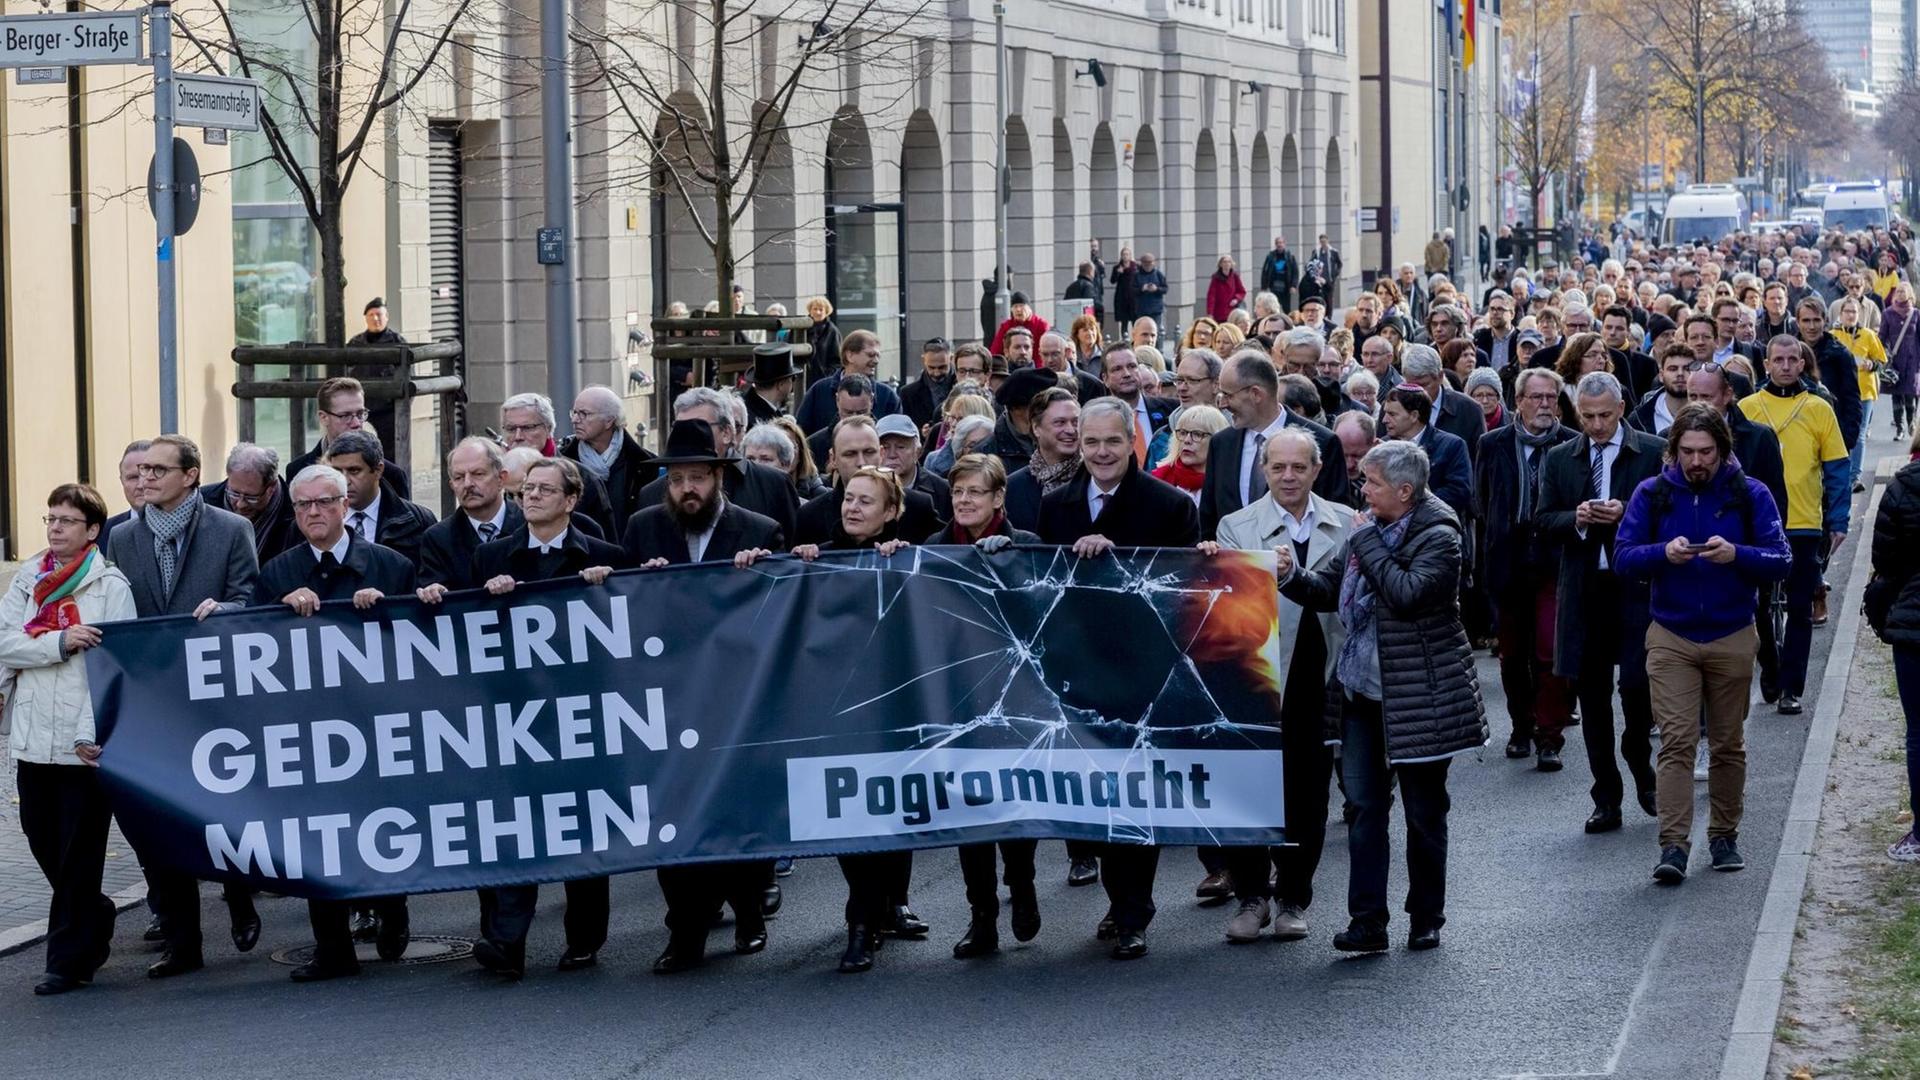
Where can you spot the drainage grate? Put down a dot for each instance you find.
(423, 949)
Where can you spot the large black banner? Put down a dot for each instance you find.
(699, 713)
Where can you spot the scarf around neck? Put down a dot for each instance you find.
(167, 526)
(598, 463)
(1056, 476)
(53, 589)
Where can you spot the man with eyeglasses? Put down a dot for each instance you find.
(182, 556)
(253, 490)
(337, 563)
(527, 420)
(341, 406)
(377, 516)
(1495, 340)
(1250, 396)
(1056, 355)
(604, 451)
(859, 355)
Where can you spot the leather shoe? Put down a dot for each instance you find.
(1083, 872)
(680, 955)
(1549, 760)
(246, 932)
(1604, 819)
(395, 935)
(859, 955)
(316, 970)
(574, 961)
(1519, 748)
(53, 984)
(1026, 914)
(1215, 886)
(770, 901)
(1131, 945)
(748, 942)
(906, 924)
(1789, 705)
(154, 931)
(982, 937)
(364, 926)
(1107, 930)
(1424, 938)
(1361, 937)
(173, 963)
(499, 960)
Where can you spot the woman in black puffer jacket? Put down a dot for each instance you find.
(1413, 700)
(1893, 607)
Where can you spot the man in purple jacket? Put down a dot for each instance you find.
(1706, 536)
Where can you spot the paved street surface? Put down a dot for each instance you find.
(1560, 958)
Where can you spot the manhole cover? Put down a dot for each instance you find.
(423, 949)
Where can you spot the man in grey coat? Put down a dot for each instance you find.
(184, 557)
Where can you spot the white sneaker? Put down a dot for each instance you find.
(1700, 761)
(1907, 850)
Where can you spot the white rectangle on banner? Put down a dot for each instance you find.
(924, 790)
(69, 39)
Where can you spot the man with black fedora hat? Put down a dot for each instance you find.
(1012, 440)
(698, 523)
(773, 375)
(756, 487)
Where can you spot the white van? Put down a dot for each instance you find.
(1855, 206)
(1708, 212)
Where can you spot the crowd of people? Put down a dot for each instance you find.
(1608, 473)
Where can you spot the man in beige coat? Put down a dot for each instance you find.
(1317, 531)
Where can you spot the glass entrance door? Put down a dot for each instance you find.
(866, 277)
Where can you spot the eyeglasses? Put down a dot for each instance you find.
(155, 472)
(577, 415)
(304, 505)
(1542, 397)
(1190, 382)
(1184, 434)
(62, 519)
(241, 498)
(350, 414)
(1705, 365)
(541, 489)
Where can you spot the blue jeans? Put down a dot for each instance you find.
(1423, 792)
(1858, 454)
(1906, 674)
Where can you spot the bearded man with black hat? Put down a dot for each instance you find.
(773, 376)
(697, 523)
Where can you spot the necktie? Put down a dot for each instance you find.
(487, 529)
(1595, 485)
(1256, 483)
(1536, 460)
(358, 523)
(1099, 503)
(1139, 440)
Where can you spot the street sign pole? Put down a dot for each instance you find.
(556, 181)
(160, 19)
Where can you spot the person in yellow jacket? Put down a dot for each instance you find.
(1886, 274)
(1869, 356)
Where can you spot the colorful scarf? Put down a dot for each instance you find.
(53, 589)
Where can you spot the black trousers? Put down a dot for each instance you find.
(1607, 631)
(506, 914)
(1423, 798)
(977, 870)
(1127, 872)
(175, 900)
(1306, 771)
(876, 884)
(694, 895)
(64, 814)
(1083, 849)
(332, 922)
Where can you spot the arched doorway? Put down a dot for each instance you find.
(1292, 208)
(923, 192)
(1237, 217)
(1103, 185)
(775, 274)
(1067, 248)
(1207, 246)
(1336, 196)
(1146, 192)
(1029, 262)
(863, 242)
(1262, 168)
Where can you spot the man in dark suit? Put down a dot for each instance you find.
(773, 378)
(859, 355)
(545, 546)
(527, 420)
(1517, 565)
(749, 485)
(1496, 340)
(1602, 618)
(1119, 505)
(1054, 418)
(1250, 396)
(1128, 381)
(1655, 414)
(922, 398)
(477, 473)
(1408, 414)
(603, 450)
(342, 407)
(856, 445)
(853, 397)
(1453, 412)
(253, 490)
(182, 556)
(335, 563)
(130, 482)
(698, 524)
(378, 515)
(900, 451)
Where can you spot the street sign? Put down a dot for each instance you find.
(186, 187)
(549, 248)
(1369, 219)
(40, 76)
(216, 101)
(69, 39)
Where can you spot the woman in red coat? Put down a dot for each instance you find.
(1225, 291)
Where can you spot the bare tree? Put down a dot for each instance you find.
(365, 61)
(706, 90)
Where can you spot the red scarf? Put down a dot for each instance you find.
(1497, 417)
(965, 536)
(1181, 476)
(54, 606)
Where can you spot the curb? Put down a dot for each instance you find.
(1750, 1046)
(25, 937)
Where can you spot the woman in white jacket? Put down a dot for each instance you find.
(50, 615)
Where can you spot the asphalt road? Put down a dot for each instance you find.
(1560, 958)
